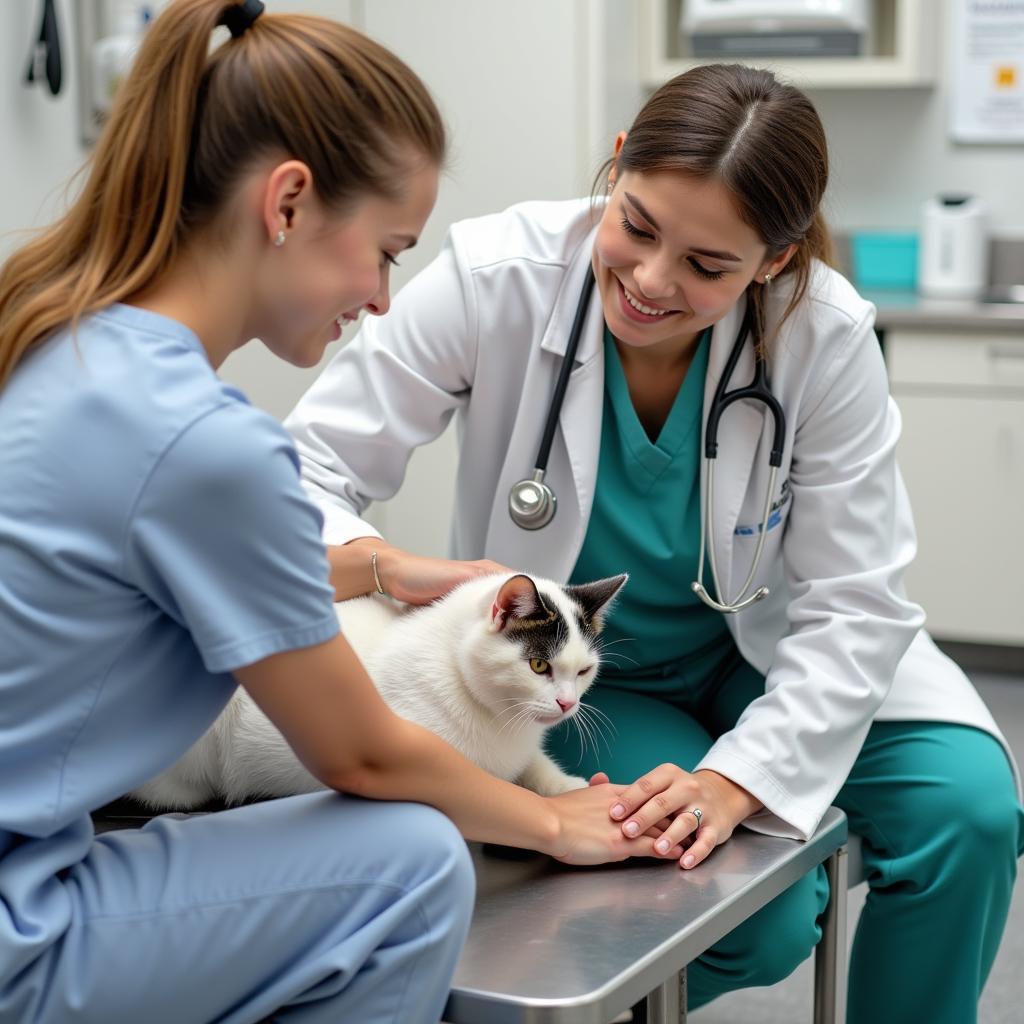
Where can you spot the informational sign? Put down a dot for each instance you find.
(987, 101)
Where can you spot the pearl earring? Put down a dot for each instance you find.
(279, 239)
(767, 278)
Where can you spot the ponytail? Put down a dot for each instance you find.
(186, 125)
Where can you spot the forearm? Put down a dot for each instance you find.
(738, 802)
(420, 767)
(352, 568)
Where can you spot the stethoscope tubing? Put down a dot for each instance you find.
(558, 396)
(542, 501)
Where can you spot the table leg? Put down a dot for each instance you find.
(830, 956)
(665, 1005)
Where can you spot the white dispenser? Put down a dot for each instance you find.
(953, 260)
(113, 55)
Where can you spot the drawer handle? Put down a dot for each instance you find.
(1006, 350)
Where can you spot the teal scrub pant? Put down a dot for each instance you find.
(942, 828)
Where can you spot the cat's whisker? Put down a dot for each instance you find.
(594, 710)
(605, 644)
(521, 707)
(598, 726)
(584, 729)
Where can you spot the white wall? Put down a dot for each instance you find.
(39, 132)
(891, 150)
(533, 93)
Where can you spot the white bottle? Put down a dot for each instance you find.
(953, 260)
(112, 56)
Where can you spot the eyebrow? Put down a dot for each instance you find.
(712, 253)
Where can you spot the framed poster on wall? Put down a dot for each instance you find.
(987, 88)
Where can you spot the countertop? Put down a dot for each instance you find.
(908, 309)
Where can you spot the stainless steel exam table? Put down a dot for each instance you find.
(556, 945)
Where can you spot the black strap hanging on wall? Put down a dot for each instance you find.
(45, 55)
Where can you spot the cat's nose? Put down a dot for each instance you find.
(566, 704)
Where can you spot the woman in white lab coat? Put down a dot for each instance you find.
(826, 691)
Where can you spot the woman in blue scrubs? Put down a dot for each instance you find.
(156, 547)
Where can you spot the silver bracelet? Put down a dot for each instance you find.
(376, 575)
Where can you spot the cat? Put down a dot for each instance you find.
(489, 668)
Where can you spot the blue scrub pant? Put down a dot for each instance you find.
(317, 908)
(942, 827)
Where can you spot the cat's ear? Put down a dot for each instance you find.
(595, 598)
(518, 598)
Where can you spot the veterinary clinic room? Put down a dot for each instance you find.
(511, 513)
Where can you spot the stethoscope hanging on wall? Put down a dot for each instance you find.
(44, 61)
(532, 503)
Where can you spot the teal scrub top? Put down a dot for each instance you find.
(645, 521)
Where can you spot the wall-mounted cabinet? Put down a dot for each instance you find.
(900, 51)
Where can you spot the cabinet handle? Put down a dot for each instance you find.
(1006, 350)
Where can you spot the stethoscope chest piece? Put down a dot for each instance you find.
(531, 503)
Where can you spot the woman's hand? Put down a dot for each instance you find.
(586, 836)
(667, 797)
(412, 578)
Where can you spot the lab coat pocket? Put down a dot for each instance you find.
(777, 516)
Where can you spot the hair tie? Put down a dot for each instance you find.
(240, 17)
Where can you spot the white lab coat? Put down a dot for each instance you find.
(481, 332)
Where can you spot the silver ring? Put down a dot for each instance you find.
(697, 813)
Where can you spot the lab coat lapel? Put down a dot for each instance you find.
(552, 551)
(739, 431)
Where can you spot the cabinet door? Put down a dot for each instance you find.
(962, 455)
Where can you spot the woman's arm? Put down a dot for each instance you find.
(846, 544)
(326, 707)
(403, 575)
(391, 389)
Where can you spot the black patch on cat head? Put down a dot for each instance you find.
(538, 628)
(593, 600)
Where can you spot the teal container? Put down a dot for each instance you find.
(884, 259)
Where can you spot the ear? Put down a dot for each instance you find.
(288, 190)
(614, 172)
(777, 265)
(518, 598)
(595, 598)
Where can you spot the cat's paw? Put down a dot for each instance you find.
(569, 783)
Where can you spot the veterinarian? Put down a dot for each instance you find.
(789, 672)
(156, 546)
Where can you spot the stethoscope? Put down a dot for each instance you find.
(532, 503)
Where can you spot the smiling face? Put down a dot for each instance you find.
(331, 267)
(672, 256)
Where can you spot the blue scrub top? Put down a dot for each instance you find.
(154, 537)
(645, 521)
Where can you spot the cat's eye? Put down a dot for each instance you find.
(539, 665)
(584, 671)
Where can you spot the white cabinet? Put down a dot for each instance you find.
(903, 46)
(962, 456)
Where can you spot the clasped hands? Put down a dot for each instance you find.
(661, 804)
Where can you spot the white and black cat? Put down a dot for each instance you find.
(489, 668)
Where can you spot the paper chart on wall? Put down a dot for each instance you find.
(987, 101)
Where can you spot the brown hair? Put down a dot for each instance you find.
(187, 124)
(762, 139)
